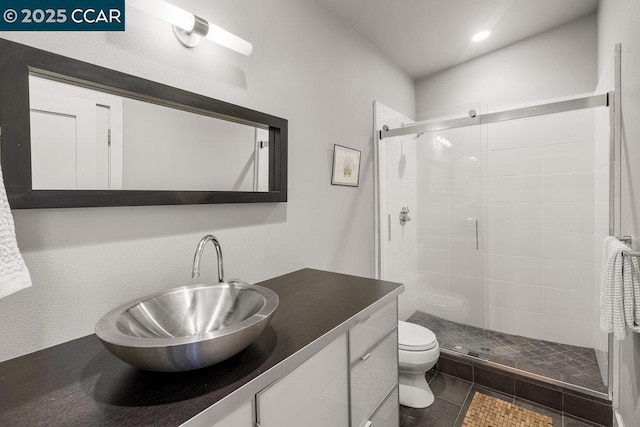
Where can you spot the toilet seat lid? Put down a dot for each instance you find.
(412, 337)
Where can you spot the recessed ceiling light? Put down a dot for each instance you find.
(480, 36)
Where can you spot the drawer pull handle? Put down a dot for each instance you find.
(366, 356)
(368, 423)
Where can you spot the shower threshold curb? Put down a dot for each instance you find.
(537, 377)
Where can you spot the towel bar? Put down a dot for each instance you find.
(627, 240)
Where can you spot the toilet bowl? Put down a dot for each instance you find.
(418, 352)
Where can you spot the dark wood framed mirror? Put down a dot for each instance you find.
(146, 143)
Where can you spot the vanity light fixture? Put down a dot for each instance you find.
(481, 35)
(191, 29)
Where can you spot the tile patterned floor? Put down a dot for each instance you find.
(453, 397)
(571, 364)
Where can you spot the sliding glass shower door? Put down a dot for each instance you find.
(507, 216)
(431, 203)
(450, 232)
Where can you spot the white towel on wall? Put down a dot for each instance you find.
(14, 275)
(619, 290)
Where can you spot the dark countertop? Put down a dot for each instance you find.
(81, 383)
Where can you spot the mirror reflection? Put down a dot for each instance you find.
(87, 139)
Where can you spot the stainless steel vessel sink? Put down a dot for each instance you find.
(189, 327)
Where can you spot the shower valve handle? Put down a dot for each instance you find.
(404, 215)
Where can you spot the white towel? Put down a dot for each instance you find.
(619, 290)
(14, 275)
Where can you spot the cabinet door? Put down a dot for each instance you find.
(85, 150)
(314, 394)
(241, 417)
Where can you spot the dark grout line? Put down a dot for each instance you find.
(460, 416)
(406, 416)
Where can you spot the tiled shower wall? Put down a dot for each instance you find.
(540, 227)
(530, 184)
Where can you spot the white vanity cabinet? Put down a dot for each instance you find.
(351, 382)
(320, 391)
(374, 369)
(315, 394)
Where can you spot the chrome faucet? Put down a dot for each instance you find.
(196, 259)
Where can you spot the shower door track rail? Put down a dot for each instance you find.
(601, 100)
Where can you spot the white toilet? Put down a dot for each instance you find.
(418, 352)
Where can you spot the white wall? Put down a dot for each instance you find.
(167, 148)
(619, 22)
(557, 63)
(307, 67)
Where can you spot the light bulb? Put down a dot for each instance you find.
(229, 40)
(195, 27)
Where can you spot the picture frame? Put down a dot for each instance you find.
(346, 166)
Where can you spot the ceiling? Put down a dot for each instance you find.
(426, 36)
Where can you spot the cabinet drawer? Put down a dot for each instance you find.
(367, 333)
(373, 378)
(388, 415)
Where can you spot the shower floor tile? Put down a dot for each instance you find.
(571, 364)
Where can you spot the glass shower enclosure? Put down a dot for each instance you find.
(493, 222)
